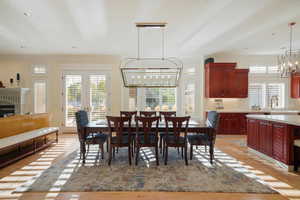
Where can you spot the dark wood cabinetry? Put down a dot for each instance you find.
(223, 80)
(295, 85)
(271, 138)
(232, 123)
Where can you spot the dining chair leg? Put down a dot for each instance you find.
(114, 152)
(185, 155)
(129, 154)
(296, 159)
(137, 155)
(211, 153)
(110, 154)
(191, 152)
(166, 154)
(107, 146)
(205, 148)
(156, 155)
(88, 149)
(182, 152)
(178, 151)
(102, 151)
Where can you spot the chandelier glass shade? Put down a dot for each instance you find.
(151, 72)
(288, 63)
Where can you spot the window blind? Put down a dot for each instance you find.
(97, 97)
(39, 96)
(273, 69)
(258, 69)
(160, 99)
(275, 90)
(132, 102)
(256, 95)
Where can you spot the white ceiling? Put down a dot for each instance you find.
(107, 26)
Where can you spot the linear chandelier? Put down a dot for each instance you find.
(151, 72)
(288, 63)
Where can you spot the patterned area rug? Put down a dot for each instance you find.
(225, 175)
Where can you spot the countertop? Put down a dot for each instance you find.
(257, 111)
(287, 119)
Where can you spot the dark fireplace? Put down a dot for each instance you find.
(6, 110)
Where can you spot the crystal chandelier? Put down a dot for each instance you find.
(288, 63)
(151, 72)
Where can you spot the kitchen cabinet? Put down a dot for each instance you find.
(295, 85)
(252, 138)
(222, 80)
(265, 138)
(232, 123)
(271, 138)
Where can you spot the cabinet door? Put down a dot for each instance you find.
(241, 83)
(217, 83)
(279, 132)
(252, 133)
(295, 86)
(265, 137)
(243, 123)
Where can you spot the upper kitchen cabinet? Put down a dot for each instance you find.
(295, 85)
(223, 80)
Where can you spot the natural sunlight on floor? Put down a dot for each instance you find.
(26, 175)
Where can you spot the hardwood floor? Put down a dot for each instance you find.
(286, 183)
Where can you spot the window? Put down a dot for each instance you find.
(39, 89)
(262, 95)
(256, 95)
(132, 99)
(263, 69)
(189, 98)
(39, 69)
(160, 99)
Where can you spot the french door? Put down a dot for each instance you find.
(89, 91)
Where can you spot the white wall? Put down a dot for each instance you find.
(12, 64)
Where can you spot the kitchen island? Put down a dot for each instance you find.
(273, 136)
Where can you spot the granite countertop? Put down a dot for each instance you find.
(287, 119)
(257, 111)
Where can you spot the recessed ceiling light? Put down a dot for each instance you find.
(282, 47)
(27, 14)
(246, 48)
(22, 47)
(273, 34)
(74, 47)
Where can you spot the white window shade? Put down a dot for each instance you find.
(275, 90)
(189, 98)
(257, 95)
(273, 70)
(132, 101)
(39, 87)
(258, 69)
(98, 97)
(157, 99)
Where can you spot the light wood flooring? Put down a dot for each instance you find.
(286, 183)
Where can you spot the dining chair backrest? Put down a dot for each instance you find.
(178, 125)
(131, 114)
(213, 122)
(145, 126)
(163, 114)
(118, 125)
(148, 113)
(82, 120)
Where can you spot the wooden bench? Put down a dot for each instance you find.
(23, 135)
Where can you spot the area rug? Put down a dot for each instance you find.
(70, 175)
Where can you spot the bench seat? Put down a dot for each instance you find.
(16, 139)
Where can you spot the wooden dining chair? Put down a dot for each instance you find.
(131, 114)
(174, 137)
(146, 135)
(148, 114)
(117, 125)
(296, 154)
(162, 115)
(206, 139)
(92, 138)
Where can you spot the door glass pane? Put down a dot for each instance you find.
(98, 97)
(73, 84)
(39, 96)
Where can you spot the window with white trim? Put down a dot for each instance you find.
(256, 95)
(132, 99)
(263, 69)
(40, 96)
(157, 99)
(189, 97)
(39, 69)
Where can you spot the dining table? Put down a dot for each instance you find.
(101, 126)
